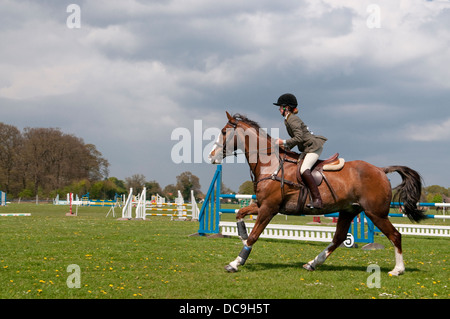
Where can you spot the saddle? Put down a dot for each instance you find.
(334, 163)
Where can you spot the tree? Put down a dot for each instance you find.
(246, 188)
(39, 152)
(170, 192)
(437, 198)
(436, 189)
(105, 189)
(46, 160)
(10, 145)
(137, 182)
(153, 188)
(225, 189)
(186, 182)
(435, 193)
(120, 185)
(55, 159)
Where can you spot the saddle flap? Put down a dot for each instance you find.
(333, 163)
(318, 177)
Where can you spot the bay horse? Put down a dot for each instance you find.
(357, 186)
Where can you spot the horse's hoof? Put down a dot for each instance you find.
(230, 268)
(396, 272)
(308, 267)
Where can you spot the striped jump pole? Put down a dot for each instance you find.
(443, 205)
(14, 215)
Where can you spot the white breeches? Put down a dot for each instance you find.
(310, 160)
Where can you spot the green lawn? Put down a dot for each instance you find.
(157, 259)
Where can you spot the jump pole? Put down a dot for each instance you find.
(14, 215)
(70, 213)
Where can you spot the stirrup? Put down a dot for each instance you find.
(311, 206)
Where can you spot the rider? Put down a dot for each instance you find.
(305, 140)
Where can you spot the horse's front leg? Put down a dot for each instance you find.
(264, 217)
(242, 230)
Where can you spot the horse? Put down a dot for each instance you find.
(357, 186)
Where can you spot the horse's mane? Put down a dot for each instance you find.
(255, 125)
(245, 119)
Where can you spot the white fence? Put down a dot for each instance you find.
(423, 230)
(293, 232)
(325, 234)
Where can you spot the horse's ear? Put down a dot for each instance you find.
(229, 116)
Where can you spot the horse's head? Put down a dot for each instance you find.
(226, 143)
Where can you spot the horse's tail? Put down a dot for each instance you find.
(408, 191)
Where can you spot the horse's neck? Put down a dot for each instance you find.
(264, 160)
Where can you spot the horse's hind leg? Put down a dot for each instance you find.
(386, 227)
(340, 235)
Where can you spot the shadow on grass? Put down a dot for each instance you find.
(323, 268)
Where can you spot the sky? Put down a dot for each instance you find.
(371, 76)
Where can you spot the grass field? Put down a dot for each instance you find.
(157, 259)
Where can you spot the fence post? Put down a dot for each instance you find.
(209, 213)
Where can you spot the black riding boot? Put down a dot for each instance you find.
(311, 184)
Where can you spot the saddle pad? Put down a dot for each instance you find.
(334, 166)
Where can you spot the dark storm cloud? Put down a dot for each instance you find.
(137, 70)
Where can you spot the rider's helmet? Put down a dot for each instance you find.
(287, 99)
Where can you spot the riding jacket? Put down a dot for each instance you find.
(300, 135)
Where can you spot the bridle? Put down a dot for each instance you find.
(227, 140)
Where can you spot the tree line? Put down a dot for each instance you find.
(41, 161)
(45, 162)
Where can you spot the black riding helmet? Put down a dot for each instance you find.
(287, 99)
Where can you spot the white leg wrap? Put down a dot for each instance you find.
(235, 263)
(399, 265)
(319, 260)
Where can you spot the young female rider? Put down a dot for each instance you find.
(305, 140)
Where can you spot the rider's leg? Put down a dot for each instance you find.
(305, 171)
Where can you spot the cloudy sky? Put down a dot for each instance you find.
(372, 76)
